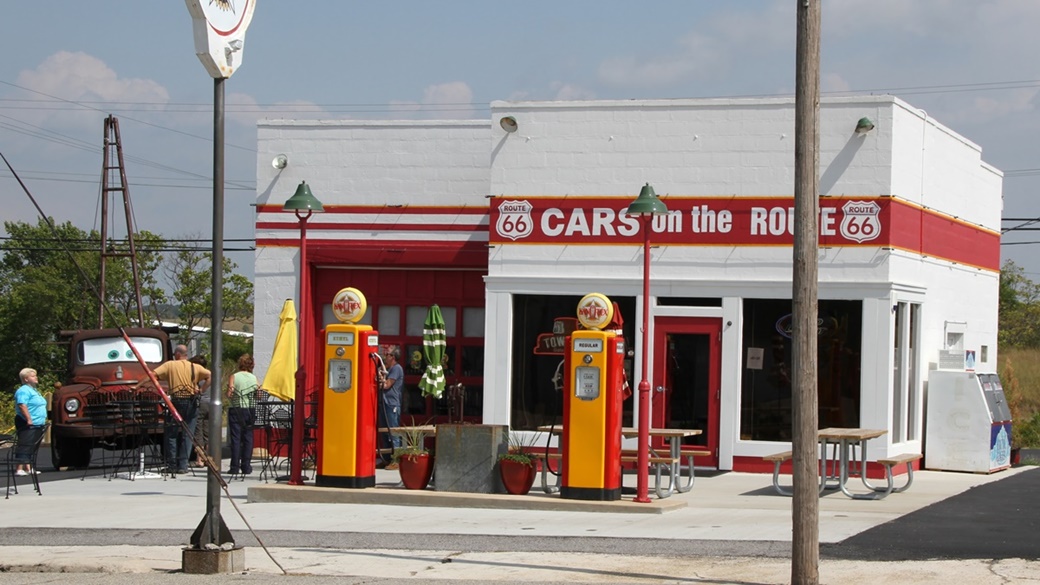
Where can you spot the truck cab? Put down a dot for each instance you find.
(98, 405)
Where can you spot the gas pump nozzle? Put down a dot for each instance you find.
(378, 359)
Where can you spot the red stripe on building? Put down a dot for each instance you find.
(373, 226)
(399, 253)
(386, 209)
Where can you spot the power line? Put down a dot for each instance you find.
(139, 121)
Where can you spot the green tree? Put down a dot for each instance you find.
(189, 272)
(41, 293)
(48, 283)
(1019, 310)
(119, 280)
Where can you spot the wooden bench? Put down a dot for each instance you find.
(889, 463)
(778, 459)
(544, 459)
(674, 467)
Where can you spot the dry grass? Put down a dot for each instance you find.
(1026, 365)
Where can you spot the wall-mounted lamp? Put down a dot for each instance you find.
(279, 162)
(508, 123)
(864, 125)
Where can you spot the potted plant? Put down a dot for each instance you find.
(517, 465)
(414, 460)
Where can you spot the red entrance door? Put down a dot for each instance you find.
(685, 394)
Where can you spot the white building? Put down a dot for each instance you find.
(507, 230)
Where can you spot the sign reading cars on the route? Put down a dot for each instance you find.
(220, 33)
(691, 220)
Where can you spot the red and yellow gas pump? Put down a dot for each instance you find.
(347, 403)
(593, 380)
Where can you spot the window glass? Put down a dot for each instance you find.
(389, 320)
(473, 322)
(473, 360)
(534, 398)
(115, 349)
(414, 325)
(412, 360)
(765, 409)
(449, 314)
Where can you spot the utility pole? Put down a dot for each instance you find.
(805, 544)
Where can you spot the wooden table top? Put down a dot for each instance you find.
(856, 434)
(423, 429)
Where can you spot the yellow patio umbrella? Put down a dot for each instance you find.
(280, 380)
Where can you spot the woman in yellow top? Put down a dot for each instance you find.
(242, 415)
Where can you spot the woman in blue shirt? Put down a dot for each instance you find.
(30, 418)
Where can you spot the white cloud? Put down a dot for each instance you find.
(714, 46)
(832, 82)
(570, 91)
(451, 100)
(79, 77)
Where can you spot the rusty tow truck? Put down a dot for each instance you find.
(98, 405)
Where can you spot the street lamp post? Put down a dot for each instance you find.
(646, 206)
(303, 203)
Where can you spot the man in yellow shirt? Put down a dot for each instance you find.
(182, 378)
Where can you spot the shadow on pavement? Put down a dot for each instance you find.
(997, 520)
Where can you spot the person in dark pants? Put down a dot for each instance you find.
(183, 379)
(391, 384)
(202, 422)
(241, 395)
(30, 419)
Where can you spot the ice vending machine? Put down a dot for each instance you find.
(968, 423)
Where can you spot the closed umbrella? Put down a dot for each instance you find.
(280, 380)
(434, 348)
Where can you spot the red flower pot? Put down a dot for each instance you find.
(516, 477)
(416, 470)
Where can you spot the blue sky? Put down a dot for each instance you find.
(69, 63)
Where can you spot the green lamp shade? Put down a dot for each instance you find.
(647, 203)
(303, 200)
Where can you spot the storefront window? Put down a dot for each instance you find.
(534, 395)
(766, 361)
(416, 317)
(473, 322)
(389, 319)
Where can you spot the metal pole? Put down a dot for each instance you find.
(300, 398)
(212, 529)
(643, 441)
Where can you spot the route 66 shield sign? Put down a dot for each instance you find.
(860, 222)
(514, 220)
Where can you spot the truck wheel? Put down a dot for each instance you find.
(72, 453)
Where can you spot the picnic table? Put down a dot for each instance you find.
(843, 455)
(665, 465)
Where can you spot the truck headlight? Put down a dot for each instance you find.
(72, 405)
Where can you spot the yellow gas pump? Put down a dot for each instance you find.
(347, 403)
(591, 442)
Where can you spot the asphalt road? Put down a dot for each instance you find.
(998, 520)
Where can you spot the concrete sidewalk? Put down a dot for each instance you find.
(731, 527)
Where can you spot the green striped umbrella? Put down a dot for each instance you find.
(434, 347)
